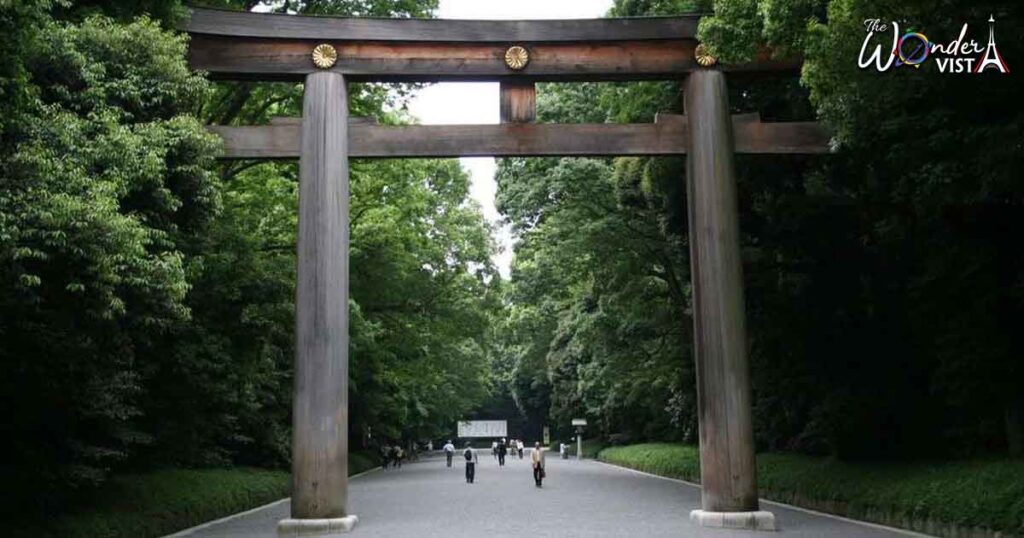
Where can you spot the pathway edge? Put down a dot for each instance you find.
(780, 504)
(203, 526)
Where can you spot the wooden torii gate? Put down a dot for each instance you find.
(327, 53)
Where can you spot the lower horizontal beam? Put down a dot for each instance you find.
(669, 136)
(519, 139)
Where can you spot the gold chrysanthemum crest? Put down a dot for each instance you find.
(517, 57)
(703, 56)
(325, 56)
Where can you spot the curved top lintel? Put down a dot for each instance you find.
(277, 26)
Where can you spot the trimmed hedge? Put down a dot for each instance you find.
(662, 459)
(986, 494)
(154, 504)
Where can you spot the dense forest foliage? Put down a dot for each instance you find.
(883, 282)
(146, 289)
(146, 305)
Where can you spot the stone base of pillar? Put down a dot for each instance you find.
(753, 521)
(323, 528)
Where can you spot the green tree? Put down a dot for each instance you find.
(932, 274)
(147, 314)
(103, 175)
(598, 286)
(880, 280)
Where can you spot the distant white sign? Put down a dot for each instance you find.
(579, 422)
(483, 428)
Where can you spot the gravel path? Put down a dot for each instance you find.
(579, 500)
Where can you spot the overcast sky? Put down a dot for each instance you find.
(477, 102)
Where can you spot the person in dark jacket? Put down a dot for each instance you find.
(502, 450)
(471, 460)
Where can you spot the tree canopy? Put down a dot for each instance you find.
(881, 280)
(147, 307)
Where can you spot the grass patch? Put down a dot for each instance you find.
(157, 503)
(162, 502)
(591, 448)
(662, 459)
(977, 493)
(360, 462)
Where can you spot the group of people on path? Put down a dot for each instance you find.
(392, 456)
(499, 450)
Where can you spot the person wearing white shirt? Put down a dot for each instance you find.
(449, 451)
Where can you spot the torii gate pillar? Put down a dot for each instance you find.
(320, 407)
(727, 465)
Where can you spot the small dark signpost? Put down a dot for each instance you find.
(327, 53)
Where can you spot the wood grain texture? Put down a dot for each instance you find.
(728, 472)
(752, 136)
(265, 25)
(670, 136)
(270, 59)
(517, 139)
(320, 405)
(793, 138)
(522, 139)
(518, 102)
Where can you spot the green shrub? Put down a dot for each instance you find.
(978, 493)
(162, 502)
(360, 462)
(975, 493)
(663, 459)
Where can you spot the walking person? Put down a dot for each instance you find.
(449, 451)
(385, 456)
(519, 446)
(471, 461)
(502, 450)
(537, 457)
(398, 456)
(494, 449)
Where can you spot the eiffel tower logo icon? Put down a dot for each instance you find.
(992, 59)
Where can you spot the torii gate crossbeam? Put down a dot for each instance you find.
(327, 53)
